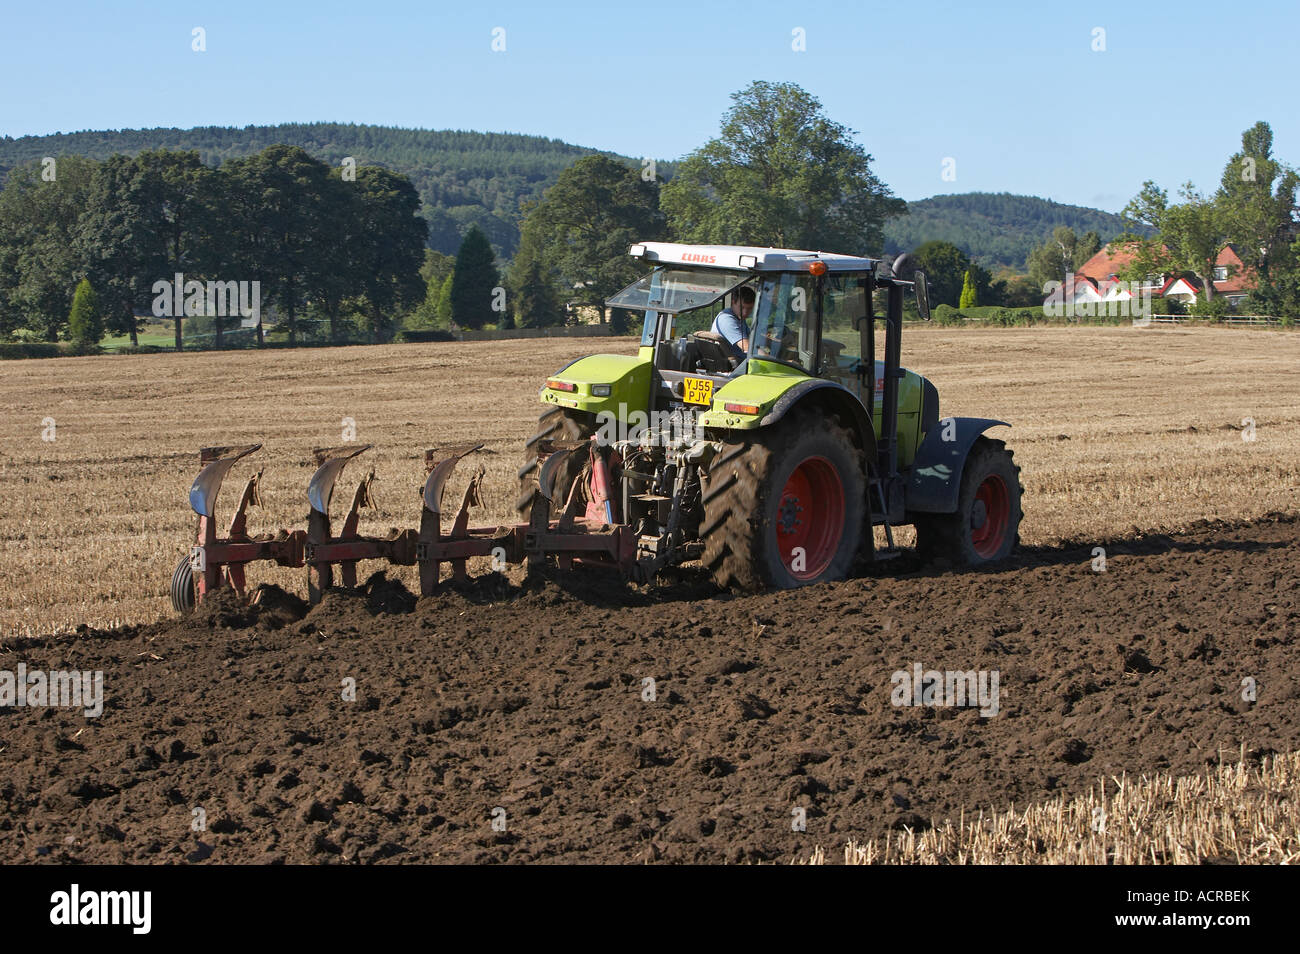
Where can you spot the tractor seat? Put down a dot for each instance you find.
(715, 355)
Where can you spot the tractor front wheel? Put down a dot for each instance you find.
(785, 508)
(986, 526)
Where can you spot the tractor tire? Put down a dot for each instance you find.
(183, 587)
(986, 526)
(785, 508)
(559, 424)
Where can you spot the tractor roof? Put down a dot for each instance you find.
(732, 257)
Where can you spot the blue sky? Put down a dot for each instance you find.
(1013, 92)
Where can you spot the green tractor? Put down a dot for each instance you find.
(771, 465)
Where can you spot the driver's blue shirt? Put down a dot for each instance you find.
(733, 328)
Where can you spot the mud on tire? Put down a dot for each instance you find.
(777, 490)
(990, 490)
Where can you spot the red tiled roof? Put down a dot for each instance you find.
(1111, 260)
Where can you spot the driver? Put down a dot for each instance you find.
(732, 322)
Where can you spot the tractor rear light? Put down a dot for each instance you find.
(601, 390)
(817, 268)
(741, 408)
(636, 251)
(561, 386)
(749, 261)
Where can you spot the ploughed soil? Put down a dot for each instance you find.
(528, 705)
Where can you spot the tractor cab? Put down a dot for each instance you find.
(809, 317)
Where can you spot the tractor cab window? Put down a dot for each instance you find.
(784, 321)
(844, 305)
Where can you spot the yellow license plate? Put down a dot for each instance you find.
(697, 391)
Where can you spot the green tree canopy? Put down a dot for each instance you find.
(968, 299)
(85, 321)
(535, 301)
(945, 267)
(281, 207)
(1257, 198)
(474, 282)
(1190, 234)
(443, 310)
(783, 174)
(40, 211)
(388, 247)
(580, 231)
(1063, 253)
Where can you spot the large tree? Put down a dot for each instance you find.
(147, 218)
(474, 282)
(1257, 199)
(781, 173)
(178, 215)
(580, 231)
(945, 267)
(86, 319)
(389, 246)
(1190, 235)
(40, 208)
(109, 241)
(535, 302)
(281, 211)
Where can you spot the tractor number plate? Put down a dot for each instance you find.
(697, 391)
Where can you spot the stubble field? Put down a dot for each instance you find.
(1116, 429)
(524, 703)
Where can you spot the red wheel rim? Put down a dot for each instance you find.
(810, 518)
(990, 517)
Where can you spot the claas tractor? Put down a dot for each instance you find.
(771, 466)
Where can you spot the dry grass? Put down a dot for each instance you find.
(1232, 813)
(93, 523)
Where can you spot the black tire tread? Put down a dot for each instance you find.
(733, 498)
(941, 535)
(182, 590)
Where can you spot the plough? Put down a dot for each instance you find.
(216, 561)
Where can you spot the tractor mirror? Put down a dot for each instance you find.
(922, 295)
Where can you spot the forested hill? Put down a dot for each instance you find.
(464, 178)
(467, 178)
(995, 229)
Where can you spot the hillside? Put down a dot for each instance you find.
(995, 229)
(467, 178)
(464, 178)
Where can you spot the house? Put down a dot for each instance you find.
(1097, 280)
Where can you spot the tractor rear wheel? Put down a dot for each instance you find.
(183, 587)
(986, 526)
(785, 508)
(556, 424)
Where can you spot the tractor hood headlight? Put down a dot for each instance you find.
(601, 390)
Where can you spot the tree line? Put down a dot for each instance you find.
(344, 246)
(345, 240)
(463, 178)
